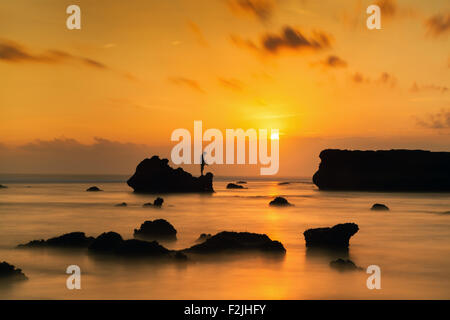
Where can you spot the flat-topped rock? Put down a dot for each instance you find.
(157, 229)
(234, 186)
(237, 241)
(68, 240)
(8, 272)
(154, 175)
(337, 236)
(383, 170)
(93, 189)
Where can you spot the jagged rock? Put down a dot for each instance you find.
(237, 241)
(9, 272)
(279, 201)
(106, 242)
(234, 186)
(379, 207)
(383, 170)
(123, 204)
(93, 189)
(203, 237)
(337, 236)
(68, 240)
(157, 229)
(3, 187)
(344, 265)
(156, 203)
(154, 175)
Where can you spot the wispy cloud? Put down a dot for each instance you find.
(438, 25)
(429, 87)
(197, 32)
(333, 61)
(439, 120)
(232, 84)
(261, 9)
(190, 83)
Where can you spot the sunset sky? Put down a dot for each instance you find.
(137, 70)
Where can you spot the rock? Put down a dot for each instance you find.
(237, 241)
(203, 237)
(106, 242)
(241, 182)
(157, 229)
(3, 187)
(154, 175)
(123, 204)
(140, 248)
(9, 272)
(93, 189)
(283, 183)
(337, 236)
(279, 201)
(234, 186)
(380, 207)
(156, 203)
(383, 170)
(68, 240)
(344, 265)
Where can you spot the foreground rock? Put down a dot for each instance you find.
(392, 170)
(344, 265)
(93, 189)
(237, 241)
(9, 272)
(68, 240)
(337, 236)
(279, 202)
(234, 186)
(157, 229)
(156, 203)
(379, 207)
(154, 175)
(203, 237)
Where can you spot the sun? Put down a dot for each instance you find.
(274, 135)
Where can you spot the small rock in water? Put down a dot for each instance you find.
(234, 186)
(93, 189)
(279, 201)
(156, 203)
(123, 204)
(337, 236)
(241, 182)
(380, 207)
(344, 265)
(3, 187)
(157, 229)
(9, 272)
(203, 237)
(283, 183)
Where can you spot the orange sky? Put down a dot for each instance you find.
(137, 70)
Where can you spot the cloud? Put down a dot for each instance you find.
(232, 84)
(431, 87)
(15, 53)
(197, 33)
(334, 62)
(439, 120)
(384, 79)
(260, 9)
(288, 39)
(438, 25)
(181, 81)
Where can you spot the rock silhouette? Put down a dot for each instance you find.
(383, 170)
(337, 236)
(344, 265)
(237, 241)
(154, 175)
(283, 183)
(157, 229)
(234, 186)
(241, 182)
(379, 207)
(106, 242)
(203, 237)
(9, 272)
(93, 189)
(156, 203)
(280, 202)
(3, 187)
(68, 240)
(123, 204)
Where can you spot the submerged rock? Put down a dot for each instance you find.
(154, 175)
(68, 240)
(157, 229)
(380, 207)
(337, 236)
(123, 204)
(203, 237)
(234, 186)
(3, 187)
(344, 265)
(283, 183)
(156, 203)
(9, 272)
(93, 189)
(383, 170)
(241, 182)
(279, 201)
(237, 241)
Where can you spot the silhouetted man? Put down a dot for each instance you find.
(202, 164)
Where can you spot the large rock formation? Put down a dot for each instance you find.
(68, 240)
(154, 175)
(337, 236)
(391, 170)
(9, 272)
(237, 241)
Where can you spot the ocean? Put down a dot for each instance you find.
(410, 243)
